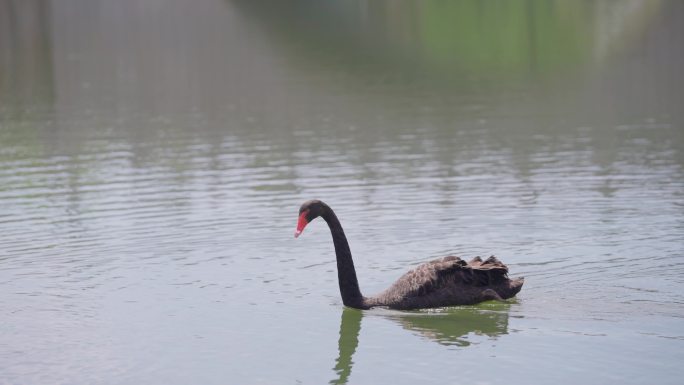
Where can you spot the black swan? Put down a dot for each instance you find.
(447, 281)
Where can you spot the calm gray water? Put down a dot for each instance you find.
(154, 154)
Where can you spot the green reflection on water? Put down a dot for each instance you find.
(453, 41)
(350, 327)
(509, 38)
(447, 326)
(454, 326)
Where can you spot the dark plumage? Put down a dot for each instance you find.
(446, 281)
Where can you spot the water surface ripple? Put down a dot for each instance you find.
(147, 215)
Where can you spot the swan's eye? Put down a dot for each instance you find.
(301, 223)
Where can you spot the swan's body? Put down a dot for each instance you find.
(446, 281)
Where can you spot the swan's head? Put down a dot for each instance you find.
(309, 211)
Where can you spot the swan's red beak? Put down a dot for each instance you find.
(301, 223)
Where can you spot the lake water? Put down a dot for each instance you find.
(154, 154)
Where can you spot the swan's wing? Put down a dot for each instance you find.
(434, 275)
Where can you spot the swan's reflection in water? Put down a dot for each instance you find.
(451, 327)
(457, 326)
(350, 326)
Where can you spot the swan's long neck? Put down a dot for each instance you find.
(346, 274)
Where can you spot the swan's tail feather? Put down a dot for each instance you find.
(490, 272)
